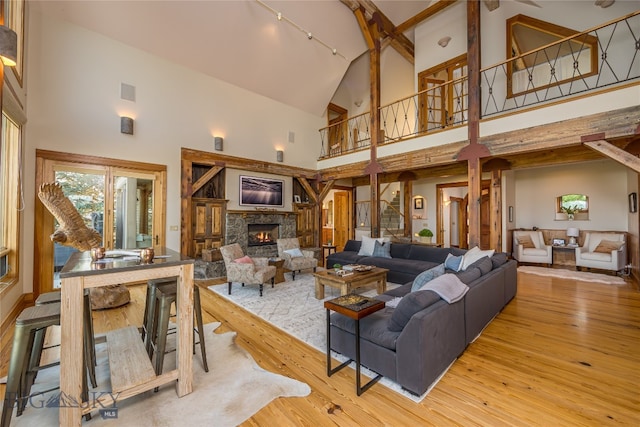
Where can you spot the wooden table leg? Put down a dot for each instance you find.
(345, 288)
(71, 351)
(319, 289)
(382, 285)
(184, 336)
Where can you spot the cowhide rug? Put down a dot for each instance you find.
(232, 391)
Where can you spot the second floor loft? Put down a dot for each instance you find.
(548, 65)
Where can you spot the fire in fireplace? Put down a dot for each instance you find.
(262, 234)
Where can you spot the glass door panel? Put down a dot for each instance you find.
(132, 225)
(85, 190)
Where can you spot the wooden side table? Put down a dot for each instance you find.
(326, 251)
(355, 307)
(279, 264)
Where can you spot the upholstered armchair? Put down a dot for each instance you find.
(294, 258)
(243, 269)
(605, 251)
(529, 246)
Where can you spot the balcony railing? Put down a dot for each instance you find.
(594, 59)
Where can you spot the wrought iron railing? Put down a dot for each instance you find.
(565, 68)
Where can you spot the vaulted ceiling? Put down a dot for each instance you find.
(243, 42)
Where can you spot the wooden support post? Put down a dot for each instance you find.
(373, 168)
(474, 151)
(495, 203)
(408, 206)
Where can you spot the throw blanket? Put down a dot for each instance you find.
(448, 286)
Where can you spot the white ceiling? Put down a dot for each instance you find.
(241, 41)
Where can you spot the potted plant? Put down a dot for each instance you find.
(570, 210)
(425, 235)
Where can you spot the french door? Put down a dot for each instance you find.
(123, 201)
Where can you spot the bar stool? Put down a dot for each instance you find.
(149, 308)
(157, 330)
(89, 338)
(29, 322)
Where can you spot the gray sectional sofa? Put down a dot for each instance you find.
(415, 342)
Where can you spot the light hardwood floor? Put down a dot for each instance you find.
(561, 353)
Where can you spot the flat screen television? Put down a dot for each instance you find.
(256, 191)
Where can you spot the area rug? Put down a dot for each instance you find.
(583, 276)
(233, 390)
(292, 307)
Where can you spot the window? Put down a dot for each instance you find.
(10, 202)
(443, 95)
(555, 64)
(572, 206)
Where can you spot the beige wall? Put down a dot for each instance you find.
(74, 106)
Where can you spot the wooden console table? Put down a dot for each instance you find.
(80, 273)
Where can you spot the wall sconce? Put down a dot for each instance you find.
(126, 125)
(217, 143)
(443, 42)
(280, 155)
(8, 46)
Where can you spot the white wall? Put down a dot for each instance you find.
(74, 106)
(604, 181)
(396, 81)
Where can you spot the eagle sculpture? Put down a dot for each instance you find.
(72, 230)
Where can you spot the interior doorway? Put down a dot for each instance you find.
(342, 218)
(452, 220)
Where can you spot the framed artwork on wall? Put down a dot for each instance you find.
(418, 203)
(256, 191)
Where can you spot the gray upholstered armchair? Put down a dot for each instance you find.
(294, 258)
(243, 269)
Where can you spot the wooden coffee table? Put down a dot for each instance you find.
(347, 284)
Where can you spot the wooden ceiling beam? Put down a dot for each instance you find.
(366, 10)
(615, 153)
(424, 15)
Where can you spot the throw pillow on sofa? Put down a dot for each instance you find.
(426, 276)
(453, 262)
(368, 244)
(409, 305)
(382, 250)
(473, 255)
